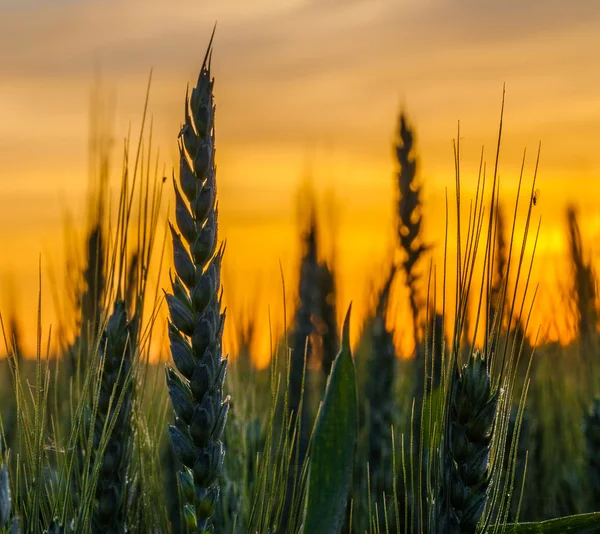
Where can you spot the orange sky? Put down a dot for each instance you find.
(302, 87)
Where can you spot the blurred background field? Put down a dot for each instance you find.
(306, 91)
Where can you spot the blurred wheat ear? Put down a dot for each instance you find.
(409, 215)
(585, 299)
(380, 381)
(196, 322)
(113, 415)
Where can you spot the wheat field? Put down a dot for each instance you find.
(431, 401)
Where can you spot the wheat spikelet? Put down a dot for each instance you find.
(196, 321)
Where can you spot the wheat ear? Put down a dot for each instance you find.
(466, 450)
(114, 416)
(196, 321)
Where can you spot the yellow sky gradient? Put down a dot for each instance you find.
(303, 87)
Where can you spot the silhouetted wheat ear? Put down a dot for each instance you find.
(380, 395)
(592, 442)
(196, 322)
(302, 338)
(409, 214)
(114, 409)
(466, 453)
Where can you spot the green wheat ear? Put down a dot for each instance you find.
(196, 322)
(466, 451)
(114, 413)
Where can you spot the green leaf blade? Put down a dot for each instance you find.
(573, 524)
(333, 446)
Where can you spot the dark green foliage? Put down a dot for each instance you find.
(592, 441)
(556, 467)
(113, 412)
(196, 321)
(466, 448)
(333, 447)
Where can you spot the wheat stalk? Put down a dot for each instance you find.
(196, 321)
